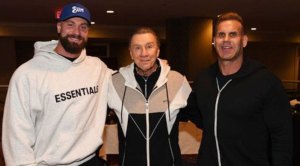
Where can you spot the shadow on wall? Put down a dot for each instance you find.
(2, 99)
(2, 163)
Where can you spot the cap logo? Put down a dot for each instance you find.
(76, 9)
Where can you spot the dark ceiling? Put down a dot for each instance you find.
(266, 15)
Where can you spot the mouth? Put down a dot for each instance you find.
(144, 60)
(226, 47)
(76, 39)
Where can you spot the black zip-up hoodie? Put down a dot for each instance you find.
(247, 122)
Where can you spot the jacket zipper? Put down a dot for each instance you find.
(147, 119)
(216, 118)
(123, 159)
(147, 133)
(171, 149)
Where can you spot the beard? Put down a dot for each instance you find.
(71, 47)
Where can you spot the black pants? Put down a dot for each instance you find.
(95, 161)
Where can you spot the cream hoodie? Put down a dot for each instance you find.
(55, 109)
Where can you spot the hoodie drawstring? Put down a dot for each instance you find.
(167, 92)
(123, 104)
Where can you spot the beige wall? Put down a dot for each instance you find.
(121, 52)
(200, 47)
(8, 59)
(189, 45)
(276, 50)
(280, 58)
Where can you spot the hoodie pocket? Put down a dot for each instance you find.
(76, 145)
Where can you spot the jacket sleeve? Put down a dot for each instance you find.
(191, 111)
(277, 115)
(112, 94)
(18, 136)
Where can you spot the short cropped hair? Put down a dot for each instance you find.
(230, 16)
(143, 30)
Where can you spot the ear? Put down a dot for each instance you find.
(214, 41)
(245, 40)
(58, 27)
(157, 54)
(130, 54)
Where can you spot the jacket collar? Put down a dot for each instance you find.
(128, 74)
(248, 66)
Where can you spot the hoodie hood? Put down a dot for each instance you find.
(128, 74)
(248, 66)
(45, 49)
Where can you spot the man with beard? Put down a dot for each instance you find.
(56, 102)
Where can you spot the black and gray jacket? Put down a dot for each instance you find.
(148, 126)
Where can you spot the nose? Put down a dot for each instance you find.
(144, 51)
(76, 30)
(226, 38)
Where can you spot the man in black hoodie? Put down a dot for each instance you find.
(245, 113)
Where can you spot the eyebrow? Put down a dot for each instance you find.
(141, 44)
(83, 23)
